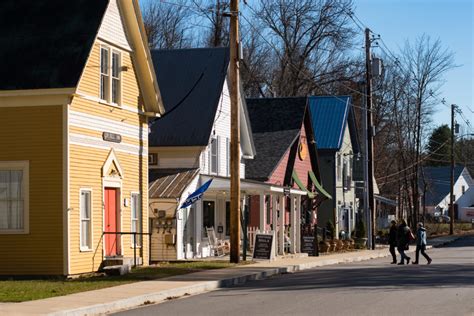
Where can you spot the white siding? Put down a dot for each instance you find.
(221, 130)
(112, 29)
(463, 180)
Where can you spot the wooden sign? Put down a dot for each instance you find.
(111, 137)
(263, 246)
(307, 245)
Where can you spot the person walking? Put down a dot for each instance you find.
(403, 239)
(421, 243)
(392, 241)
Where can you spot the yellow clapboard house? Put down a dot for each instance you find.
(76, 90)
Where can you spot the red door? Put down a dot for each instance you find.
(111, 240)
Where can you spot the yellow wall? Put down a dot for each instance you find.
(86, 164)
(35, 134)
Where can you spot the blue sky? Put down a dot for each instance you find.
(449, 20)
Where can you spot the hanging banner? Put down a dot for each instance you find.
(196, 195)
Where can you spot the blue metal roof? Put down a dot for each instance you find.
(329, 116)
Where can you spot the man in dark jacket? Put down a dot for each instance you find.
(392, 241)
(403, 240)
(421, 243)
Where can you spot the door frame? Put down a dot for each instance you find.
(113, 183)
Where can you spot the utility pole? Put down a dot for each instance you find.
(234, 134)
(370, 140)
(451, 202)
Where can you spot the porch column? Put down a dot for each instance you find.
(263, 220)
(198, 228)
(275, 221)
(298, 223)
(293, 225)
(282, 224)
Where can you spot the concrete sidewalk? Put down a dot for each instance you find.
(149, 292)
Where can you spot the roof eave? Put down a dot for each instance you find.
(141, 55)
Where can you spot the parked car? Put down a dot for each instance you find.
(442, 219)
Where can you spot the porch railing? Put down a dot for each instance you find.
(134, 234)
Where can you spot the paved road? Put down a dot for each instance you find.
(446, 287)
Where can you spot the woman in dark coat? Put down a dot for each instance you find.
(403, 240)
(392, 241)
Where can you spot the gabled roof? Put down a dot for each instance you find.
(169, 183)
(438, 182)
(330, 116)
(191, 82)
(45, 43)
(276, 123)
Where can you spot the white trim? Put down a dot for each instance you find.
(139, 220)
(104, 41)
(98, 123)
(23, 165)
(81, 248)
(66, 193)
(99, 143)
(112, 158)
(36, 92)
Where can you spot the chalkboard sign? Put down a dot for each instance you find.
(263, 246)
(307, 246)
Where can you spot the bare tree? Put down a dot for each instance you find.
(310, 39)
(215, 13)
(167, 25)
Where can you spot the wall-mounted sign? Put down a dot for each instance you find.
(286, 191)
(111, 137)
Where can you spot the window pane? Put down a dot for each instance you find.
(115, 90)
(85, 205)
(16, 179)
(86, 231)
(3, 214)
(4, 183)
(104, 61)
(115, 65)
(104, 87)
(86, 234)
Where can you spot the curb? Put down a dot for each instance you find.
(207, 286)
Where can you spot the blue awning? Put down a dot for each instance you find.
(196, 195)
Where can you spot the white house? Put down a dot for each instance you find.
(190, 145)
(435, 186)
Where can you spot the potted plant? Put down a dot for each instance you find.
(361, 237)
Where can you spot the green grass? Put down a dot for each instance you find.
(27, 290)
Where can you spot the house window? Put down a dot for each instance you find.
(104, 74)
(214, 156)
(208, 214)
(463, 188)
(86, 223)
(110, 66)
(153, 159)
(136, 225)
(115, 77)
(14, 189)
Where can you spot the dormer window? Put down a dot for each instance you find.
(110, 66)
